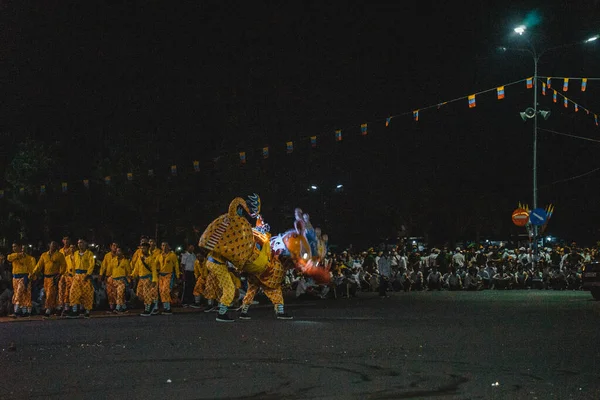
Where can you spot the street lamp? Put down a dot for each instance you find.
(533, 113)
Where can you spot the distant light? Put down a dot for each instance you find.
(339, 186)
(414, 242)
(93, 245)
(305, 256)
(520, 29)
(94, 256)
(313, 187)
(179, 249)
(549, 238)
(30, 246)
(593, 38)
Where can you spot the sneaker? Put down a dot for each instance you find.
(13, 315)
(197, 305)
(167, 312)
(111, 311)
(283, 316)
(212, 309)
(186, 305)
(245, 316)
(26, 315)
(86, 315)
(155, 312)
(47, 316)
(72, 315)
(224, 318)
(145, 314)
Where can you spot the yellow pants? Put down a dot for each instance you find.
(147, 291)
(270, 281)
(224, 281)
(64, 287)
(199, 287)
(50, 292)
(82, 292)
(164, 288)
(119, 289)
(21, 294)
(111, 291)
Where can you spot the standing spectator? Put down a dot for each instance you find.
(188, 261)
(458, 259)
(385, 273)
(6, 292)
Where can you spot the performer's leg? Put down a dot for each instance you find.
(119, 285)
(75, 294)
(225, 283)
(164, 283)
(111, 292)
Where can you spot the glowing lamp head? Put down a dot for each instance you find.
(520, 29)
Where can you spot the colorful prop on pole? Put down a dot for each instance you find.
(554, 98)
(543, 88)
(338, 135)
(472, 103)
(289, 147)
(549, 212)
(583, 84)
(363, 129)
(500, 91)
(566, 85)
(548, 82)
(529, 83)
(520, 216)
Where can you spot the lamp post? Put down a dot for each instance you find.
(520, 30)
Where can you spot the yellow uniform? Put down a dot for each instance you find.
(52, 266)
(22, 266)
(200, 272)
(105, 271)
(119, 270)
(66, 279)
(82, 291)
(146, 270)
(168, 269)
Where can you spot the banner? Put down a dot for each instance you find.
(583, 84)
(500, 91)
(242, 157)
(416, 115)
(338, 135)
(472, 103)
(265, 152)
(130, 176)
(64, 187)
(86, 183)
(289, 146)
(566, 85)
(313, 141)
(174, 170)
(363, 129)
(196, 166)
(529, 83)
(387, 121)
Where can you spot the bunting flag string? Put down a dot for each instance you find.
(415, 112)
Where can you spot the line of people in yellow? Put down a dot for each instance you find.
(67, 274)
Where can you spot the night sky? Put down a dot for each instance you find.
(169, 83)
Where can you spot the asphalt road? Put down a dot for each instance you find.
(451, 345)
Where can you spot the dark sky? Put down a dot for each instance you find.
(207, 79)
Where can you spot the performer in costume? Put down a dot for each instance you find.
(168, 271)
(200, 273)
(22, 267)
(82, 292)
(51, 265)
(119, 269)
(145, 270)
(66, 279)
(106, 276)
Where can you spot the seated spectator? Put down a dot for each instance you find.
(434, 279)
(521, 277)
(473, 280)
(454, 282)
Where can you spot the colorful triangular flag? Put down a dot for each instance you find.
(576, 108)
(416, 115)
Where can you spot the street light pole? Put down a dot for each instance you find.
(535, 133)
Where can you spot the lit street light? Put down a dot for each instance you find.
(533, 113)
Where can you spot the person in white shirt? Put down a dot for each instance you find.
(434, 279)
(189, 280)
(458, 259)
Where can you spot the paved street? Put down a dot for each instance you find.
(452, 345)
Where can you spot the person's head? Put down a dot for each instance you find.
(82, 244)
(118, 251)
(66, 241)
(17, 247)
(306, 218)
(165, 247)
(298, 213)
(72, 248)
(114, 246)
(53, 246)
(190, 249)
(145, 246)
(152, 244)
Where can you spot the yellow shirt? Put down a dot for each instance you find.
(21, 263)
(151, 267)
(168, 263)
(200, 270)
(84, 263)
(51, 264)
(118, 268)
(104, 268)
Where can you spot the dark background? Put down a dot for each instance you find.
(95, 89)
